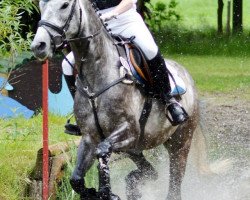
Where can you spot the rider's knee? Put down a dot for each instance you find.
(66, 68)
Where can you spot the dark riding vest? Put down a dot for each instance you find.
(104, 4)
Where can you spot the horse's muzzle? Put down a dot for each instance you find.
(39, 50)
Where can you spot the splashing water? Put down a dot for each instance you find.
(226, 179)
(233, 184)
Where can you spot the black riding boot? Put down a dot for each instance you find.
(161, 85)
(70, 80)
(71, 129)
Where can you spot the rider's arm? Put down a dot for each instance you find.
(124, 6)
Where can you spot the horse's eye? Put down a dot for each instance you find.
(65, 5)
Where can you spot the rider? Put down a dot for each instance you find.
(122, 19)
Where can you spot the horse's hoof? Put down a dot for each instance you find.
(77, 185)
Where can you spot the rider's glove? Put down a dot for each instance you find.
(108, 16)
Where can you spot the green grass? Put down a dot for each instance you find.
(217, 74)
(20, 139)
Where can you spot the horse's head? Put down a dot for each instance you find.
(60, 19)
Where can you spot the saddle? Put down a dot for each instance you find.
(133, 62)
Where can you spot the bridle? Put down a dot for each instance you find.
(60, 38)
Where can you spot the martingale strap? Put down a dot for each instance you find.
(84, 90)
(92, 100)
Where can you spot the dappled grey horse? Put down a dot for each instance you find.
(112, 119)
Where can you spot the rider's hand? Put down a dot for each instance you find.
(108, 16)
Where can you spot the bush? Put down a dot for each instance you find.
(160, 13)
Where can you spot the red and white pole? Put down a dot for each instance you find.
(45, 86)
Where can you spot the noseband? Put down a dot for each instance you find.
(58, 40)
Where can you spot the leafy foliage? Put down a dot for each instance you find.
(160, 13)
(11, 41)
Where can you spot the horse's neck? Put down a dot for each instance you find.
(98, 57)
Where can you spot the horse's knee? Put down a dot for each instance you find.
(104, 149)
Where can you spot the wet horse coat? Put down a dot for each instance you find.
(118, 108)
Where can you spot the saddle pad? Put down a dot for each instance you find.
(180, 87)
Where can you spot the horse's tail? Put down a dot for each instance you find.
(199, 156)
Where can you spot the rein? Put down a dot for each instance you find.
(86, 37)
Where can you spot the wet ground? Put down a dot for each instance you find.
(225, 123)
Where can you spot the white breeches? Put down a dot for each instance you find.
(130, 24)
(66, 67)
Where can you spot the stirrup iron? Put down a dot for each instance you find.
(170, 118)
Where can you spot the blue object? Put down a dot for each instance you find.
(10, 108)
(7, 85)
(175, 90)
(61, 103)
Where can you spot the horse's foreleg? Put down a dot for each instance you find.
(145, 171)
(178, 147)
(103, 153)
(85, 158)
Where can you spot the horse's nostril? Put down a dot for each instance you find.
(41, 46)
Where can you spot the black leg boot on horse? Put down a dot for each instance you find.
(71, 129)
(161, 85)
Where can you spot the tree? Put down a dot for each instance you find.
(219, 16)
(11, 41)
(237, 16)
